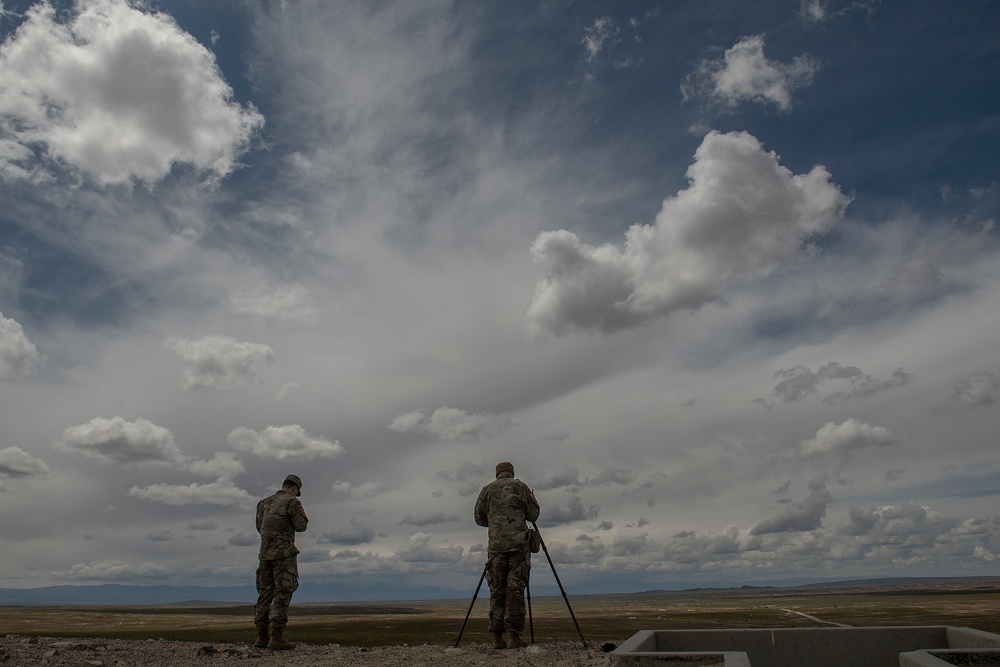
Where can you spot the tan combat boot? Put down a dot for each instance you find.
(498, 641)
(262, 636)
(278, 642)
(514, 640)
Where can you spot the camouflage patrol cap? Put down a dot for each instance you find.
(294, 479)
(505, 466)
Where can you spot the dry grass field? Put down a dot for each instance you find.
(967, 602)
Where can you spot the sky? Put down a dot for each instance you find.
(720, 279)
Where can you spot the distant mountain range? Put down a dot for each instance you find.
(360, 591)
(116, 594)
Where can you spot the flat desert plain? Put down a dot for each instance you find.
(418, 633)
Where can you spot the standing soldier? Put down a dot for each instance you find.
(279, 517)
(505, 505)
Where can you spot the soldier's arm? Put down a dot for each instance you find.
(481, 515)
(260, 514)
(531, 509)
(299, 518)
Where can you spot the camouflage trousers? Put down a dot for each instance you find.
(507, 575)
(276, 581)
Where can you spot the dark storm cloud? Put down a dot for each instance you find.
(629, 545)
(160, 536)
(464, 472)
(570, 477)
(980, 389)
(558, 480)
(358, 533)
(894, 474)
(469, 489)
(18, 464)
(612, 476)
(574, 511)
(427, 519)
(798, 382)
(242, 539)
(807, 515)
(909, 527)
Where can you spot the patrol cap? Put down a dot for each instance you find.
(505, 466)
(294, 479)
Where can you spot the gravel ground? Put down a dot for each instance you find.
(18, 650)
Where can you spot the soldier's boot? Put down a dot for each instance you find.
(514, 640)
(262, 636)
(498, 641)
(278, 642)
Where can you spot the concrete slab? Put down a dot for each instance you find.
(795, 647)
(951, 658)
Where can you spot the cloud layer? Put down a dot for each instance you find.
(730, 330)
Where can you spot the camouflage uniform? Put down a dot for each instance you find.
(505, 506)
(279, 517)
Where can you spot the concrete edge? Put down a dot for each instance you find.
(946, 657)
(961, 637)
(693, 659)
(921, 659)
(643, 641)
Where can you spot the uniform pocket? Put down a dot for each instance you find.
(289, 581)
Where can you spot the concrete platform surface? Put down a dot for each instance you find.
(922, 646)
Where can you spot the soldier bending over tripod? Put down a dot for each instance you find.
(505, 505)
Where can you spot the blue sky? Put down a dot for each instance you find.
(720, 280)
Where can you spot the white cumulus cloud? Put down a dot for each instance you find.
(216, 362)
(745, 74)
(118, 94)
(742, 216)
(290, 442)
(418, 549)
(452, 424)
(348, 490)
(113, 570)
(222, 465)
(220, 492)
(846, 437)
(18, 355)
(139, 442)
(286, 302)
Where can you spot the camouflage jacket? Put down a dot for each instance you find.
(279, 517)
(505, 505)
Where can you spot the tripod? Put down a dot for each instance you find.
(471, 605)
(530, 619)
(561, 589)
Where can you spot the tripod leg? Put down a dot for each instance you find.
(561, 589)
(471, 605)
